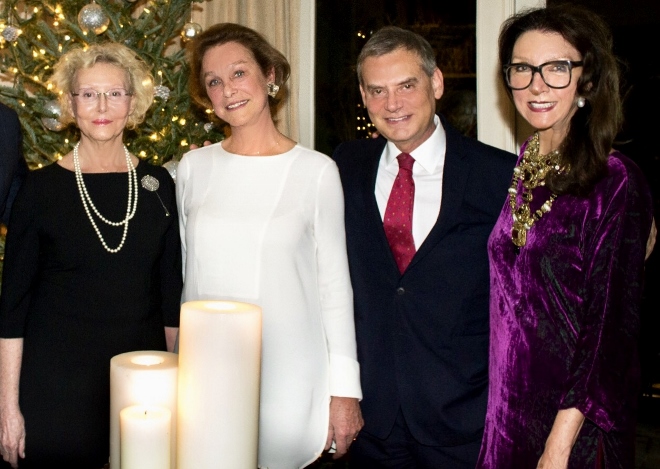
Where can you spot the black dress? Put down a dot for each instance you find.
(77, 305)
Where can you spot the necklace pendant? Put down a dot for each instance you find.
(518, 235)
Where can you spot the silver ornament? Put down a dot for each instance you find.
(208, 126)
(93, 18)
(171, 167)
(52, 123)
(162, 92)
(10, 33)
(190, 30)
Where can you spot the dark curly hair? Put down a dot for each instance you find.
(594, 127)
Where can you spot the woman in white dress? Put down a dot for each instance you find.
(262, 221)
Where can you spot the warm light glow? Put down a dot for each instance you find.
(143, 154)
(184, 143)
(154, 136)
(182, 121)
(147, 360)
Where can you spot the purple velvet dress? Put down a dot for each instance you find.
(564, 324)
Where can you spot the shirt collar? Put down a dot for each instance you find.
(430, 155)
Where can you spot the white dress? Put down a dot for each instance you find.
(270, 231)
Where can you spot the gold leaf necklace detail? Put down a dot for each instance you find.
(531, 173)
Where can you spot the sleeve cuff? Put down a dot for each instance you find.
(344, 377)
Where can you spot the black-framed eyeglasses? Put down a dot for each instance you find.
(91, 96)
(555, 74)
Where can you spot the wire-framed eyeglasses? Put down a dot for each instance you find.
(555, 74)
(91, 96)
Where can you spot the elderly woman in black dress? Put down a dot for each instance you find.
(92, 269)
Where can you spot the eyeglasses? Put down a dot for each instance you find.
(90, 96)
(555, 74)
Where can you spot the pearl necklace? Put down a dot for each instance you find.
(531, 172)
(87, 200)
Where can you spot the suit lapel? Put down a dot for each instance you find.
(374, 222)
(454, 179)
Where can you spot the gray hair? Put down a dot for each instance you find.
(391, 38)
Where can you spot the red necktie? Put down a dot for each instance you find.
(399, 213)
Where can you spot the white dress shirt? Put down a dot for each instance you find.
(427, 174)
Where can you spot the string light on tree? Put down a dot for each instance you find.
(43, 31)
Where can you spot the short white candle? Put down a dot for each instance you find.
(145, 437)
(147, 378)
(219, 376)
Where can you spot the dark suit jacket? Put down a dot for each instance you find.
(13, 168)
(423, 336)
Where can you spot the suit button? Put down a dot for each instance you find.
(400, 291)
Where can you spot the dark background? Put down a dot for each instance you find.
(343, 26)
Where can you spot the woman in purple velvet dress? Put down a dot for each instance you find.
(567, 257)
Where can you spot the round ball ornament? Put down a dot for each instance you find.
(52, 123)
(162, 92)
(190, 30)
(93, 18)
(11, 33)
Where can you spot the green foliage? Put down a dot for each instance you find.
(50, 28)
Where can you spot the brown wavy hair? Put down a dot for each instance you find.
(594, 127)
(267, 57)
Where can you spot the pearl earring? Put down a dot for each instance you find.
(581, 102)
(272, 89)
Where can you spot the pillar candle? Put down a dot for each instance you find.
(145, 437)
(219, 376)
(146, 378)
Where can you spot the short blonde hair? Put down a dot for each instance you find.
(140, 80)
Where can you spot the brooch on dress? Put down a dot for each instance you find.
(152, 184)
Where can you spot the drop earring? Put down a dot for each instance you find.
(272, 89)
(581, 102)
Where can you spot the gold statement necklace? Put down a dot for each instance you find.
(531, 172)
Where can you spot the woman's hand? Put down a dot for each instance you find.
(651, 241)
(562, 437)
(12, 435)
(345, 423)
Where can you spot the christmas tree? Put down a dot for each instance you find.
(33, 36)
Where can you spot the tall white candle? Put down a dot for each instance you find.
(219, 376)
(142, 378)
(145, 437)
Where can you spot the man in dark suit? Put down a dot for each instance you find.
(13, 168)
(421, 285)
